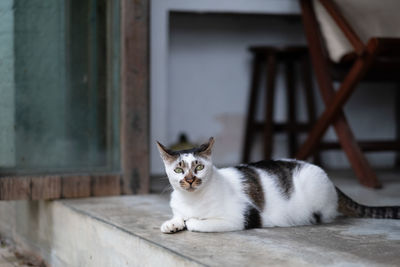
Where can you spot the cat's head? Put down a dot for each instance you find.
(188, 170)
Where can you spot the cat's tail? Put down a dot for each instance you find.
(350, 208)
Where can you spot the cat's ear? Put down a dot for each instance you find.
(166, 154)
(206, 149)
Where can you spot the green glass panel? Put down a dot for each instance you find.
(64, 115)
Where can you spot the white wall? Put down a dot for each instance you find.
(208, 85)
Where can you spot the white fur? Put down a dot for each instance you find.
(313, 191)
(219, 203)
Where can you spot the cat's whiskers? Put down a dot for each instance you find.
(168, 187)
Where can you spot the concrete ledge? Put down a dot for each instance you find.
(124, 231)
(64, 234)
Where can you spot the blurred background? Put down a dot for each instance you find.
(208, 72)
(60, 83)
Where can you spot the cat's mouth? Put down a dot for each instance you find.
(190, 186)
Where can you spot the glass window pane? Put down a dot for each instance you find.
(62, 104)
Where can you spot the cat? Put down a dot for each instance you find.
(272, 193)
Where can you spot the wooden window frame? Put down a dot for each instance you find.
(134, 128)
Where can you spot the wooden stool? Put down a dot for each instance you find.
(271, 57)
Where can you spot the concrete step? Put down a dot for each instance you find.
(124, 231)
(128, 228)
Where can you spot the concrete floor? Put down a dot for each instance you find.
(365, 242)
(9, 257)
(124, 231)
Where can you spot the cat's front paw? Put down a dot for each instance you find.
(172, 226)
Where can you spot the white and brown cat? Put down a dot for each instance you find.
(264, 194)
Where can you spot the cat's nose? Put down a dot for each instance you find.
(190, 180)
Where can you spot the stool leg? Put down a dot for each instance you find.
(291, 108)
(310, 100)
(269, 105)
(252, 108)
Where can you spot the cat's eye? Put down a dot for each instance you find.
(178, 170)
(199, 167)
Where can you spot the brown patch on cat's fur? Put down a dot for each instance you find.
(194, 166)
(205, 149)
(166, 154)
(349, 207)
(252, 186)
(345, 206)
(186, 185)
(190, 187)
(182, 164)
(189, 176)
(202, 151)
(197, 182)
(282, 171)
